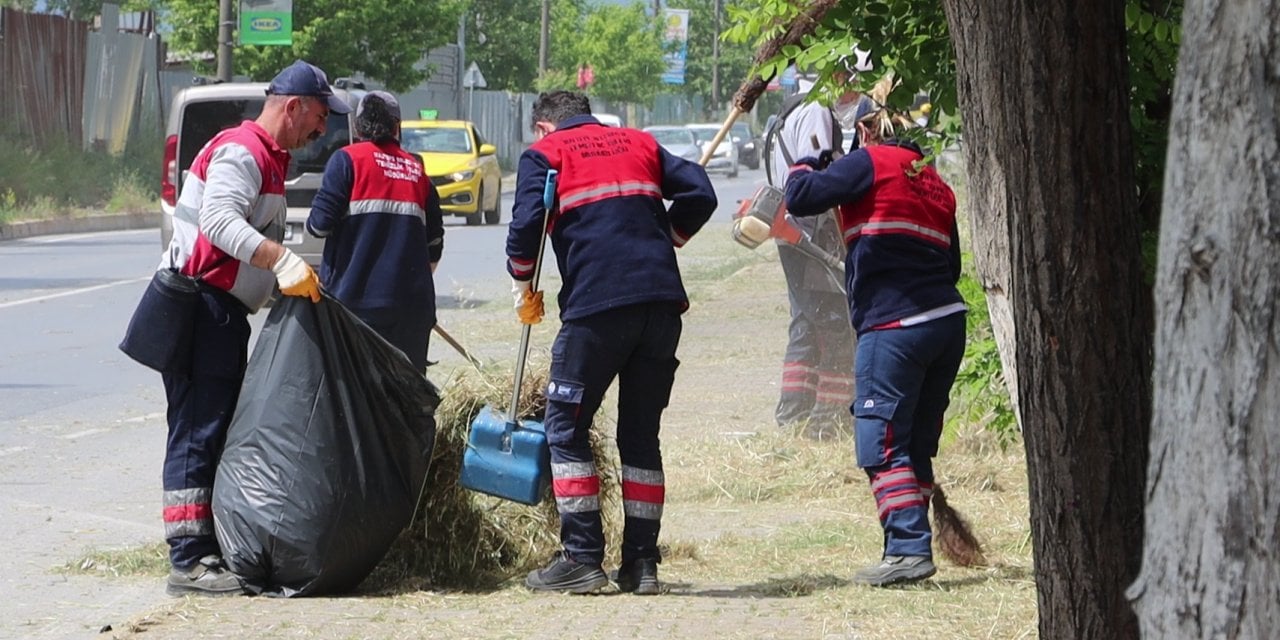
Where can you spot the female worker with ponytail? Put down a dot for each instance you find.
(897, 218)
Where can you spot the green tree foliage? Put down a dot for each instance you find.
(385, 40)
(502, 38)
(622, 44)
(1153, 37)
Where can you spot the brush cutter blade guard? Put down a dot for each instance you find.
(508, 461)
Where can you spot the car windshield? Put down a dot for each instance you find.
(704, 134)
(668, 137)
(313, 157)
(203, 120)
(439, 140)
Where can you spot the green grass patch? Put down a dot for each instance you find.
(54, 177)
(151, 560)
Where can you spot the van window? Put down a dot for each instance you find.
(203, 120)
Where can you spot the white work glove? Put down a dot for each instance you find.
(518, 289)
(296, 277)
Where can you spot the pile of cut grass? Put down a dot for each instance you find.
(464, 540)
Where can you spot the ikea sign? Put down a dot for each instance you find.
(267, 24)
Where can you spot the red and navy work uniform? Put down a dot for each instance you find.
(903, 261)
(620, 306)
(232, 201)
(381, 218)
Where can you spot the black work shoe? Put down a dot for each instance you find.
(896, 569)
(209, 577)
(639, 577)
(566, 575)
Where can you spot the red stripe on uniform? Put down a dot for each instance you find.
(186, 512)
(655, 493)
(575, 487)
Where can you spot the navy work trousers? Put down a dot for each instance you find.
(637, 345)
(408, 330)
(201, 406)
(904, 378)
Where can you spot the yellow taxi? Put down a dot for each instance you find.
(463, 167)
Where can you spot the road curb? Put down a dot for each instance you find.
(104, 222)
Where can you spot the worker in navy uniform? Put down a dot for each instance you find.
(384, 230)
(620, 301)
(898, 220)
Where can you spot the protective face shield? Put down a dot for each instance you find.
(846, 114)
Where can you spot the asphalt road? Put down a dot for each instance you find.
(82, 427)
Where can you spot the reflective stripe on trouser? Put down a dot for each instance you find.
(200, 409)
(820, 342)
(643, 496)
(799, 388)
(576, 486)
(635, 344)
(904, 378)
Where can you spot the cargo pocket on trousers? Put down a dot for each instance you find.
(873, 422)
(566, 398)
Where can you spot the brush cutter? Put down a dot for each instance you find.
(505, 457)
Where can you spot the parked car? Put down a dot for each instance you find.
(463, 167)
(749, 144)
(198, 113)
(678, 141)
(725, 156)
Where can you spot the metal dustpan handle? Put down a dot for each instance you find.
(548, 202)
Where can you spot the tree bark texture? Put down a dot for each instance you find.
(1209, 564)
(1043, 92)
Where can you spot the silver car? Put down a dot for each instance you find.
(725, 156)
(198, 113)
(678, 141)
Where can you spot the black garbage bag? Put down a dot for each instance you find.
(327, 453)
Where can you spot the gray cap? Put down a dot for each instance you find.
(393, 107)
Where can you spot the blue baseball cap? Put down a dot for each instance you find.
(304, 79)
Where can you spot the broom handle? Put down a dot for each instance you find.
(724, 129)
(548, 200)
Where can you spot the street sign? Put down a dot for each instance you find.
(473, 79)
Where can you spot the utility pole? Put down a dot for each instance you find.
(715, 63)
(224, 40)
(543, 40)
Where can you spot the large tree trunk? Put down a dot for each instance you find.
(1209, 567)
(1043, 93)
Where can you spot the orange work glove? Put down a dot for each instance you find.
(531, 310)
(296, 277)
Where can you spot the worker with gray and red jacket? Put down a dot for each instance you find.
(620, 300)
(898, 218)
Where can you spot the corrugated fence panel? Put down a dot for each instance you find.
(43, 71)
(118, 70)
